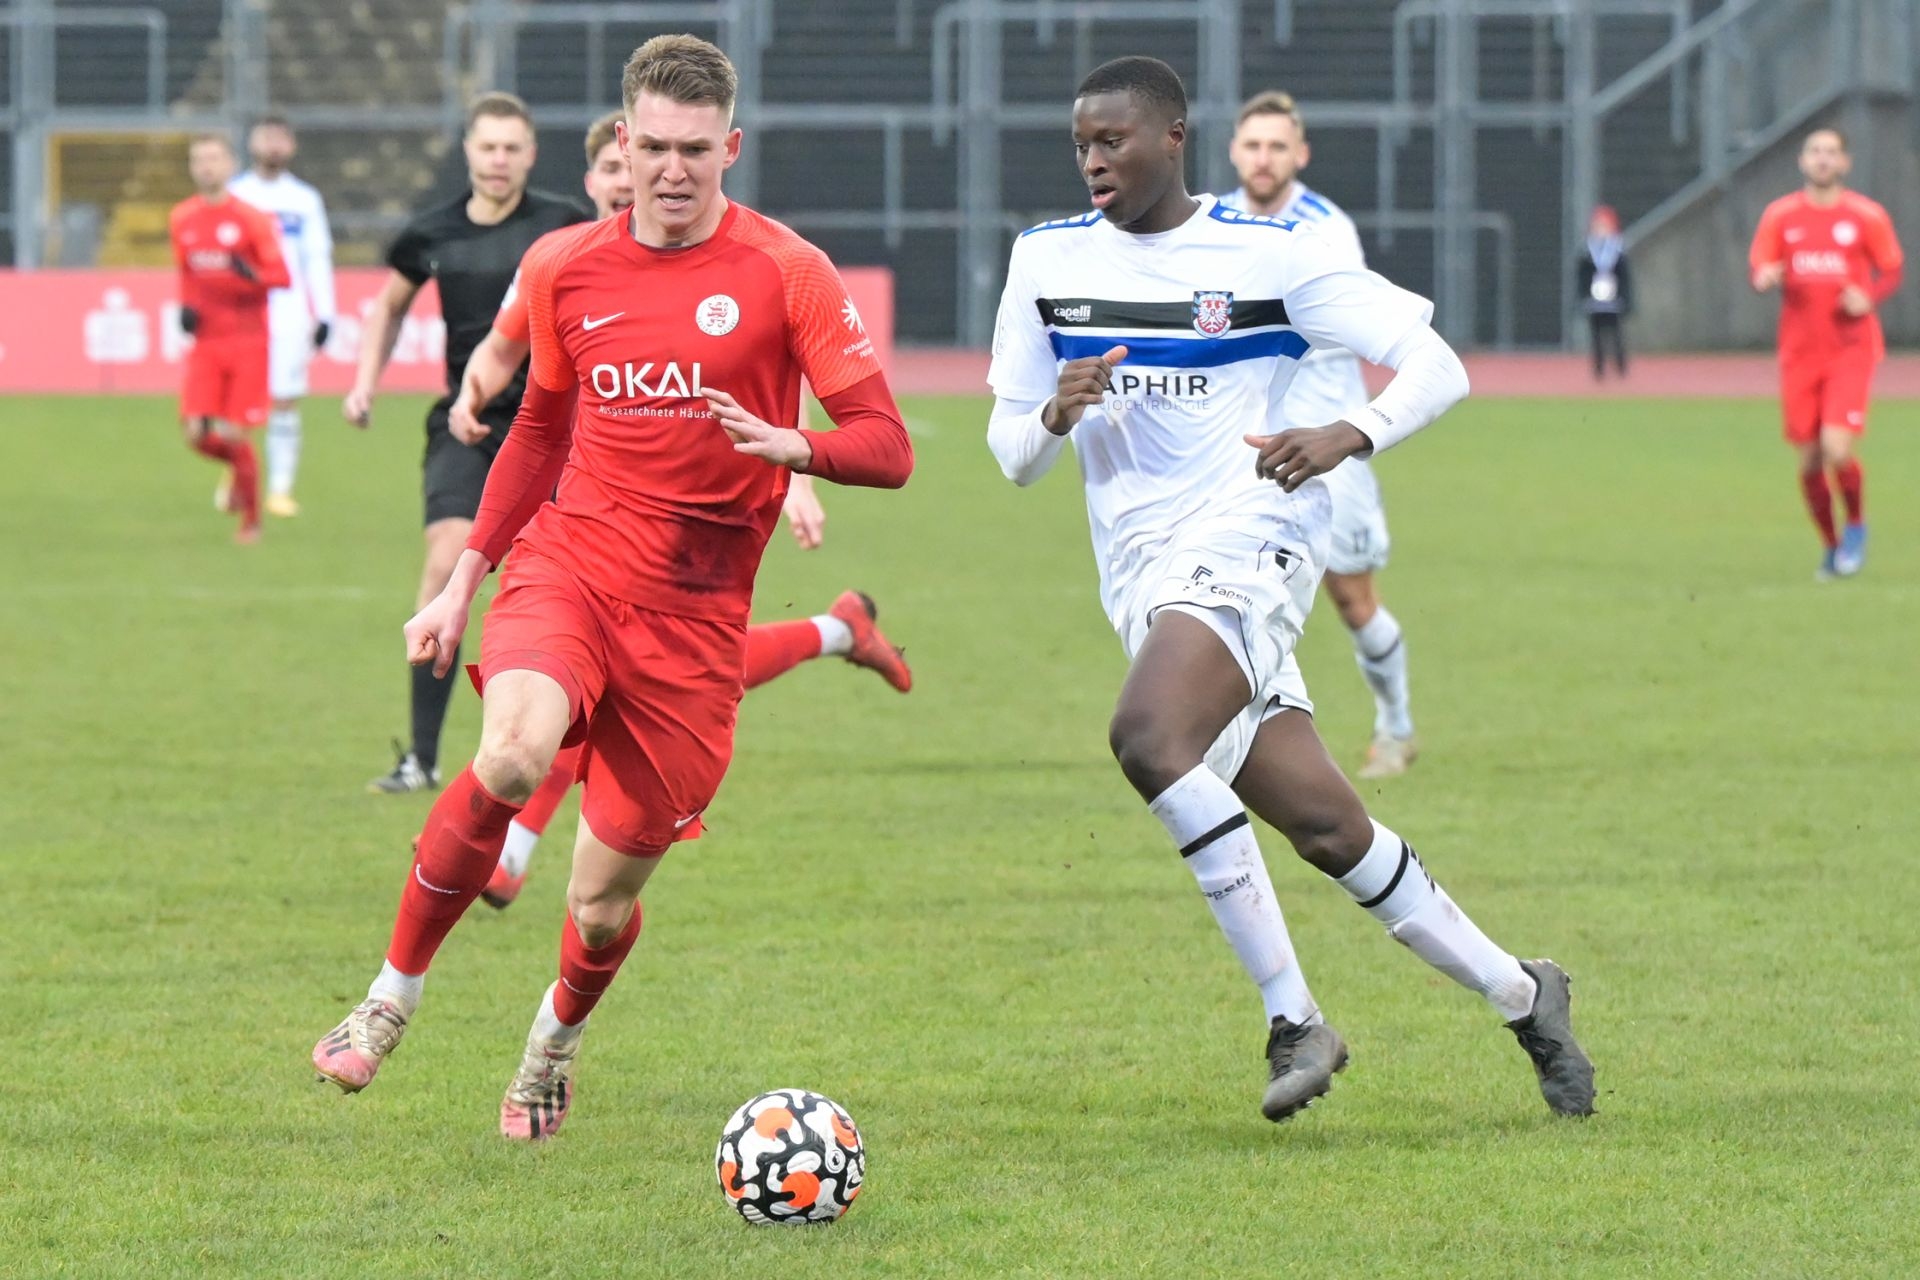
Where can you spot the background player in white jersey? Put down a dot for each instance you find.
(1161, 332)
(1269, 150)
(300, 316)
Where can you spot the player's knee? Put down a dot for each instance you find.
(1153, 752)
(511, 768)
(1333, 839)
(599, 917)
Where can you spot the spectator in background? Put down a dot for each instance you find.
(1606, 289)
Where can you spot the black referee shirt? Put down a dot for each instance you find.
(473, 266)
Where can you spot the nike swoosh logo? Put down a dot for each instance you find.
(590, 324)
(427, 884)
(684, 821)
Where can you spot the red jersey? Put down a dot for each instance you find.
(208, 236)
(654, 506)
(1825, 249)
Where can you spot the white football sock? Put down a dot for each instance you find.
(518, 850)
(1382, 653)
(397, 988)
(547, 1025)
(1392, 885)
(283, 449)
(835, 635)
(1210, 828)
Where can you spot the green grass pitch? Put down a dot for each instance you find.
(1656, 751)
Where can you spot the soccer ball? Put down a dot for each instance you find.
(790, 1156)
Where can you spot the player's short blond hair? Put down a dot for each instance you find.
(220, 140)
(500, 105)
(683, 69)
(1271, 102)
(599, 134)
(1838, 137)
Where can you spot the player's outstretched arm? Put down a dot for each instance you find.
(488, 372)
(376, 345)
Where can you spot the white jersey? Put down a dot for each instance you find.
(307, 243)
(1215, 315)
(1329, 386)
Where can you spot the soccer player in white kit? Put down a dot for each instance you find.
(299, 317)
(1269, 149)
(1160, 333)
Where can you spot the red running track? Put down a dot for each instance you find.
(929, 371)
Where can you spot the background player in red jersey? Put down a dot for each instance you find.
(847, 629)
(229, 257)
(1833, 255)
(681, 333)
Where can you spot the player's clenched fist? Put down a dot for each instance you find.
(1083, 382)
(433, 634)
(1291, 458)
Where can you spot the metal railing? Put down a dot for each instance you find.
(34, 112)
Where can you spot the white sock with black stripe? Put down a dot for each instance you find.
(1381, 650)
(1392, 885)
(1210, 828)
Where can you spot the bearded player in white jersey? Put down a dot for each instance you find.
(300, 316)
(1160, 333)
(1269, 149)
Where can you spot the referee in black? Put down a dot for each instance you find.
(471, 246)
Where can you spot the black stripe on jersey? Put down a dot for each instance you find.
(1106, 313)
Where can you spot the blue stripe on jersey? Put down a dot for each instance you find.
(1227, 213)
(1082, 220)
(1313, 202)
(1181, 353)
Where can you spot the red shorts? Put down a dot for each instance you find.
(653, 696)
(227, 379)
(1816, 393)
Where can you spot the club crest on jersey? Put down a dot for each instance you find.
(228, 234)
(1845, 232)
(717, 315)
(1212, 312)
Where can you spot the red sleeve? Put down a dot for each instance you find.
(529, 463)
(1883, 250)
(269, 263)
(511, 323)
(525, 471)
(189, 287)
(1767, 245)
(869, 444)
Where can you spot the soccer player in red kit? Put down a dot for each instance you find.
(229, 258)
(1832, 254)
(848, 628)
(681, 333)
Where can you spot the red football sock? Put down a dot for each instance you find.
(538, 811)
(1853, 482)
(1813, 484)
(212, 444)
(586, 972)
(457, 851)
(246, 482)
(775, 648)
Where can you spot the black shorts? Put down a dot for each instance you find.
(454, 474)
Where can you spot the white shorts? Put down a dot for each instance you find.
(1360, 541)
(290, 344)
(1252, 580)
